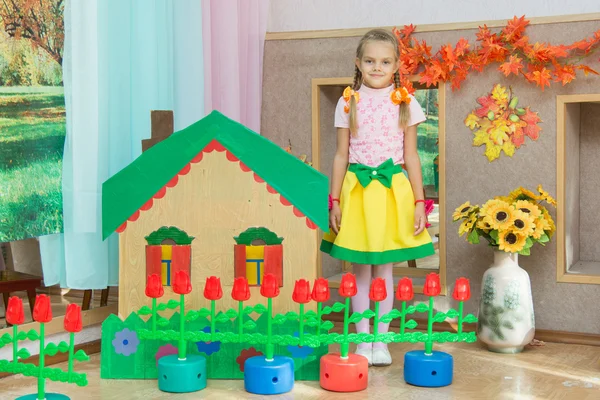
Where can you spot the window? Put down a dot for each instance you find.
(258, 251)
(168, 250)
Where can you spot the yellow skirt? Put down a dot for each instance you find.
(377, 224)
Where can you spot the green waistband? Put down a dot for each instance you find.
(383, 173)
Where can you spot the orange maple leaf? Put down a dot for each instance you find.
(542, 78)
(487, 104)
(428, 77)
(461, 47)
(512, 66)
(460, 74)
(448, 56)
(564, 74)
(586, 70)
(408, 30)
(518, 138)
(483, 33)
(515, 29)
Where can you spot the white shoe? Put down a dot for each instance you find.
(381, 357)
(367, 353)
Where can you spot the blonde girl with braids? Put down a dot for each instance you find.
(377, 214)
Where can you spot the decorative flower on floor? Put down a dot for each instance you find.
(165, 350)
(126, 342)
(246, 354)
(208, 347)
(300, 351)
(500, 124)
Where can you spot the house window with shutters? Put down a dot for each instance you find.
(258, 251)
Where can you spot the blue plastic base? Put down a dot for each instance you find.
(181, 376)
(269, 377)
(432, 370)
(49, 396)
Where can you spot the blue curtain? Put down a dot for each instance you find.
(122, 59)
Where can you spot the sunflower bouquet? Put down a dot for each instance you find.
(510, 223)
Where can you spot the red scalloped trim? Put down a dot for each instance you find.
(212, 146)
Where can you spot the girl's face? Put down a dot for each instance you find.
(378, 64)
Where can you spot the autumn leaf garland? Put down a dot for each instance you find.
(500, 124)
(538, 63)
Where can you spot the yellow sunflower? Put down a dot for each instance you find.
(523, 223)
(549, 222)
(523, 194)
(483, 225)
(511, 242)
(490, 204)
(546, 196)
(528, 207)
(499, 214)
(463, 211)
(541, 225)
(467, 225)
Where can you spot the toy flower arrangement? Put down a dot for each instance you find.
(500, 124)
(510, 223)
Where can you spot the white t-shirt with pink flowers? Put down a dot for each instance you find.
(379, 137)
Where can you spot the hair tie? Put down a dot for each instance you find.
(348, 94)
(400, 95)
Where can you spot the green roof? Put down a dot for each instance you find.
(129, 189)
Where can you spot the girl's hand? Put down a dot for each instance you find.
(420, 218)
(335, 218)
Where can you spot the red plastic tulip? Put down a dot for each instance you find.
(432, 285)
(42, 311)
(241, 290)
(405, 290)
(462, 290)
(320, 292)
(181, 283)
(348, 286)
(154, 287)
(14, 311)
(269, 286)
(212, 289)
(301, 291)
(378, 291)
(73, 318)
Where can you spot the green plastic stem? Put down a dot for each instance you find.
(71, 351)
(319, 311)
(301, 324)
(181, 326)
(241, 318)
(460, 317)
(429, 342)
(41, 380)
(153, 315)
(15, 344)
(403, 318)
(270, 347)
(345, 345)
(212, 320)
(376, 322)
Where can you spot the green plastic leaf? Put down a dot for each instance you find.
(172, 304)
(452, 313)
(337, 307)
(51, 349)
(6, 339)
(63, 347)
(33, 335)
(310, 314)
(204, 312)
(145, 311)
(161, 307)
(544, 238)
(355, 317)
(249, 324)
(411, 324)
(162, 322)
(422, 307)
(327, 325)
(222, 318)
(470, 319)
(312, 322)
(368, 314)
(386, 318)
(439, 317)
(248, 310)
(81, 356)
(494, 235)
(291, 316)
(231, 313)
(279, 319)
(192, 315)
(326, 310)
(525, 251)
(23, 353)
(260, 309)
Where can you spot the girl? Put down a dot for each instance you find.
(377, 216)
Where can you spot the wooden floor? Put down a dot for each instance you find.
(553, 371)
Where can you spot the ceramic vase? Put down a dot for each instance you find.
(506, 320)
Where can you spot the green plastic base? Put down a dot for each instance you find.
(181, 376)
(49, 396)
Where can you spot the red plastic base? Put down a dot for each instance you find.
(339, 375)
